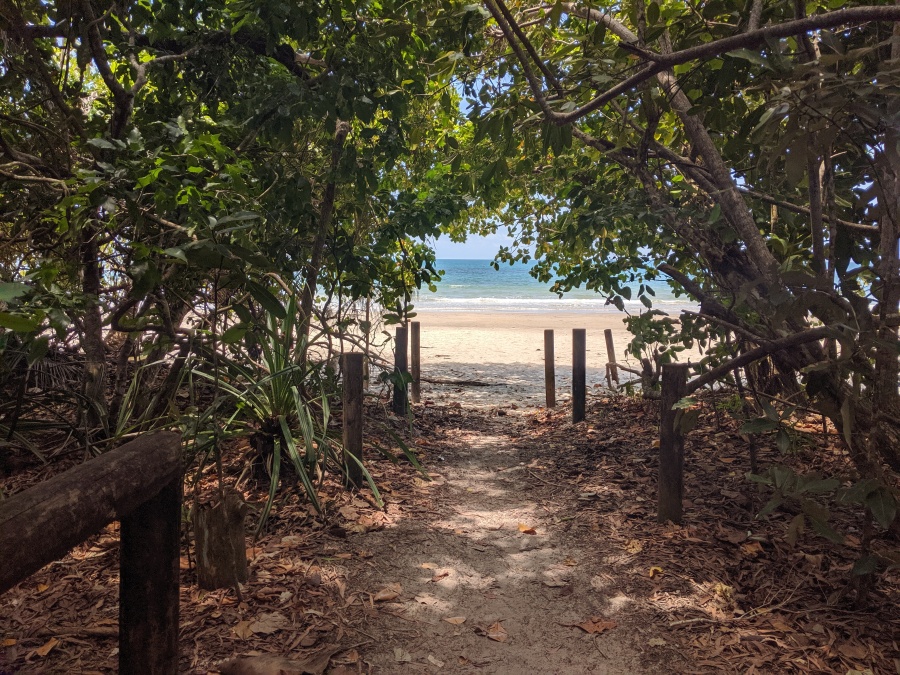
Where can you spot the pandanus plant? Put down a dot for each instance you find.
(264, 397)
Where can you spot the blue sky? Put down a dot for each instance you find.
(474, 248)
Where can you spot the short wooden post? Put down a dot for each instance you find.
(671, 444)
(400, 369)
(353, 416)
(549, 369)
(148, 585)
(415, 361)
(611, 355)
(579, 366)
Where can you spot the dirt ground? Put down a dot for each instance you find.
(533, 548)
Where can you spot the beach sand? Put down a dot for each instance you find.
(506, 350)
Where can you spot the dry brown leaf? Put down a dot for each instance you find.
(44, 649)
(455, 620)
(314, 664)
(752, 549)
(428, 566)
(268, 623)
(595, 625)
(8, 642)
(526, 529)
(654, 571)
(634, 546)
(443, 574)
(495, 632)
(242, 630)
(42, 587)
(388, 593)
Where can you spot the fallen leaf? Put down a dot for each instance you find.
(428, 566)
(495, 632)
(526, 529)
(268, 623)
(570, 562)
(434, 661)
(595, 625)
(656, 642)
(315, 664)
(634, 546)
(653, 571)
(242, 630)
(443, 574)
(42, 587)
(389, 592)
(46, 647)
(348, 513)
(752, 548)
(8, 642)
(402, 656)
(455, 620)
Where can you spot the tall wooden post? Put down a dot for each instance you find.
(549, 369)
(400, 368)
(148, 585)
(579, 366)
(415, 361)
(671, 444)
(353, 416)
(611, 355)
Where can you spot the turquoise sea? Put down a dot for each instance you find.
(475, 286)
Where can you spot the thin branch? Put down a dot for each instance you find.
(782, 344)
(862, 228)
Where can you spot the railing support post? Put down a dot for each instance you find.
(415, 364)
(353, 416)
(611, 356)
(579, 367)
(549, 369)
(148, 585)
(671, 444)
(401, 368)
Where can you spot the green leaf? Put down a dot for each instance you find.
(234, 334)
(758, 426)
(18, 322)
(865, 566)
(265, 298)
(12, 290)
(883, 506)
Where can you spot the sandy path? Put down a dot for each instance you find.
(506, 350)
(465, 556)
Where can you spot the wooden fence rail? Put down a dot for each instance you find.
(139, 484)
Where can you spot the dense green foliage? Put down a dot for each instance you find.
(171, 171)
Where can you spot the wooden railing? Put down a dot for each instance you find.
(139, 484)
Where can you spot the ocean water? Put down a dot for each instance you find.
(475, 286)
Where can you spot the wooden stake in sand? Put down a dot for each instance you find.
(613, 371)
(415, 362)
(353, 416)
(671, 443)
(579, 366)
(401, 368)
(549, 369)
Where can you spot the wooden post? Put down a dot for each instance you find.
(611, 355)
(148, 585)
(353, 416)
(671, 444)
(415, 361)
(549, 369)
(579, 365)
(400, 368)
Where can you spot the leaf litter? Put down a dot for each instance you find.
(734, 594)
